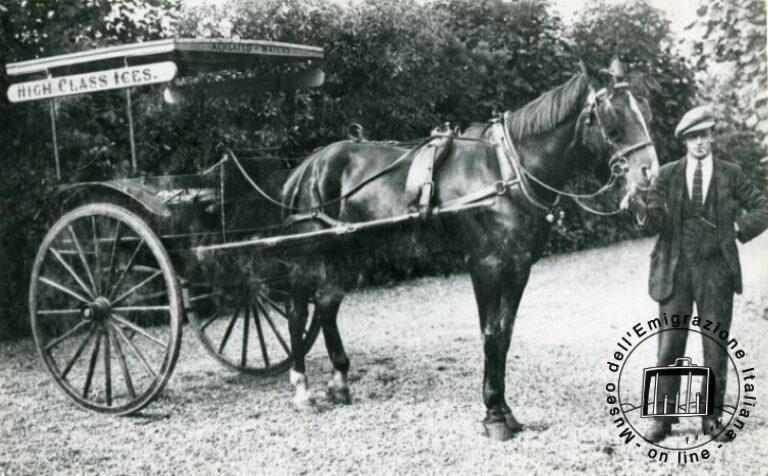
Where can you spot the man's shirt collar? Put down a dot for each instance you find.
(706, 162)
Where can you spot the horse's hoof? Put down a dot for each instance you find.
(339, 395)
(512, 422)
(305, 405)
(498, 431)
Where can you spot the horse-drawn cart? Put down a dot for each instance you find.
(114, 279)
(118, 274)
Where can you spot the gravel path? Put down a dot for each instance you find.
(416, 381)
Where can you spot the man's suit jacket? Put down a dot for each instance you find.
(738, 201)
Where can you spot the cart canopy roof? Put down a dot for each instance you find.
(154, 62)
(192, 56)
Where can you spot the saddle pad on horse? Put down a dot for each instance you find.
(420, 185)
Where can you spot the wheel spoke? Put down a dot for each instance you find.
(203, 296)
(157, 294)
(123, 364)
(244, 344)
(67, 334)
(265, 313)
(280, 292)
(264, 354)
(96, 255)
(210, 320)
(119, 281)
(59, 312)
(229, 329)
(139, 330)
(273, 304)
(133, 289)
(107, 367)
(73, 274)
(112, 255)
(63, 289)
(141, 308)
(135, 350)
(91, 367)
(79, 351)
(82, 257)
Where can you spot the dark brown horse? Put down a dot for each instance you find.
(552, 135)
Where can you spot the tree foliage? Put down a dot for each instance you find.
(732, 53)
(397, 67)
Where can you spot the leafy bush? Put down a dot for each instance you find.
(397, 67)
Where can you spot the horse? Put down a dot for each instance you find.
(350, 181)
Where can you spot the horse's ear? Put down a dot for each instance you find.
(645, 109)
(599, 78)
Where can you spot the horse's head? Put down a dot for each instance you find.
(614, 127)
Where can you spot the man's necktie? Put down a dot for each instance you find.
(696, 195)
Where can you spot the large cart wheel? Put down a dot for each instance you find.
(251, 336)
(105, 309)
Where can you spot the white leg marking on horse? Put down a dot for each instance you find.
(339, 380)
(303, 397)
(338, 390)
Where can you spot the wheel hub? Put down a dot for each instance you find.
(98, 310)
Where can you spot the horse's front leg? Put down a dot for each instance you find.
(498, 296)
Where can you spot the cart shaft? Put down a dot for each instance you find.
(341, 230)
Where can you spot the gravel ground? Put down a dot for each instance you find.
(416, 382)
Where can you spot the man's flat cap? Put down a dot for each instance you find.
(696, 119)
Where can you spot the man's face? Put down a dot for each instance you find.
(699, 143)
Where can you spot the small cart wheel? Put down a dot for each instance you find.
(253, 337)
(105, 309)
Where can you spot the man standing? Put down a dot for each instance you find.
(699, 205)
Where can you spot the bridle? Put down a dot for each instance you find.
(618, 163)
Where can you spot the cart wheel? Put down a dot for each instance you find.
(253, 338)
(105, 309)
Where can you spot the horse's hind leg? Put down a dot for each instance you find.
(327, 309)
(297, 319)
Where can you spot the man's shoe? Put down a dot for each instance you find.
(659, 430)
(711, 426)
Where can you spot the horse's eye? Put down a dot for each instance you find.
(614, 134)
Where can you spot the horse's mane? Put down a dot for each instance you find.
(548, 110)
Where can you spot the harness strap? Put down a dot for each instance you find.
(514, 159)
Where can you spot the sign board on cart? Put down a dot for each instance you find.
(118, 78)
